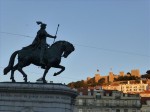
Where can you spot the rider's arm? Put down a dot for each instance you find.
(48, 35)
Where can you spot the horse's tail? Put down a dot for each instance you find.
(11, 63)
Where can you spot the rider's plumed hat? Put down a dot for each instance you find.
(40, 23)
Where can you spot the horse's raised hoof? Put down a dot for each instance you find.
(55, 74)
(25, 79)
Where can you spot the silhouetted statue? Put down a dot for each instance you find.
(32, 54)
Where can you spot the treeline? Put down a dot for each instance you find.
(89, 83)
(126, 78)
(147, 75)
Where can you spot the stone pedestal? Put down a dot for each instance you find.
(36, 97)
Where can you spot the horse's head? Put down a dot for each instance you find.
(68, 48)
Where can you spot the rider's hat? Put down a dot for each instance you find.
(42, 24)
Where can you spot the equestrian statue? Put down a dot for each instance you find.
(40, 54)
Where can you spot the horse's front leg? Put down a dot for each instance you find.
(22, 64)
(24, 75)
(21, 71)
(62, 69)
(44, 75)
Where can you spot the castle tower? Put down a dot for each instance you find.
(121, 73)
(111, 77)
(97, 76)
(135, 73)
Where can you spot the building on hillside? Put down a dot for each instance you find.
(134, 88)
(112, 87)
(140, 88)
(145, 93)
(145, 101)
(149, 86)
(98, 100)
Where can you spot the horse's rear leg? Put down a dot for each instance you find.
(62, 69)
(12, 73)
(44, 75)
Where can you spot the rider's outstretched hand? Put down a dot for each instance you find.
(55, 36)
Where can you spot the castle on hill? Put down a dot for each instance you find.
(111, 76)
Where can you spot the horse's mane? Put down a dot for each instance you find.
(58, 42)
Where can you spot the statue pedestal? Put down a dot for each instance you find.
(36, 97)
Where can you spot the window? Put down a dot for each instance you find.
(117, 110)
(125, 103)
(125, 110)
(98, 96)
(134, 102)
(113, 110)
(133, 110)
(80, 110)
(118, 102)
(121, 103)
(80, 102)
(89, 110)
(90, 102)
(97, 103)
(106, 110)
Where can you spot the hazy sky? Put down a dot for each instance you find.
(107, 34)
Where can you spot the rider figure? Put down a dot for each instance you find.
(40, 39)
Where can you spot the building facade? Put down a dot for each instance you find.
(141, 88)
(134, 88)
(145, 101)
(107, 101)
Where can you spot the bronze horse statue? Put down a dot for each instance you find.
(28, 55)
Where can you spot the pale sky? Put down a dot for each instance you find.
(106, 34)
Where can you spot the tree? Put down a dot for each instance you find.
(125, 78)
(101, 81)
(147, 75)
(129, 73)
(148, 72)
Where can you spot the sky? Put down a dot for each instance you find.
(108, 35)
